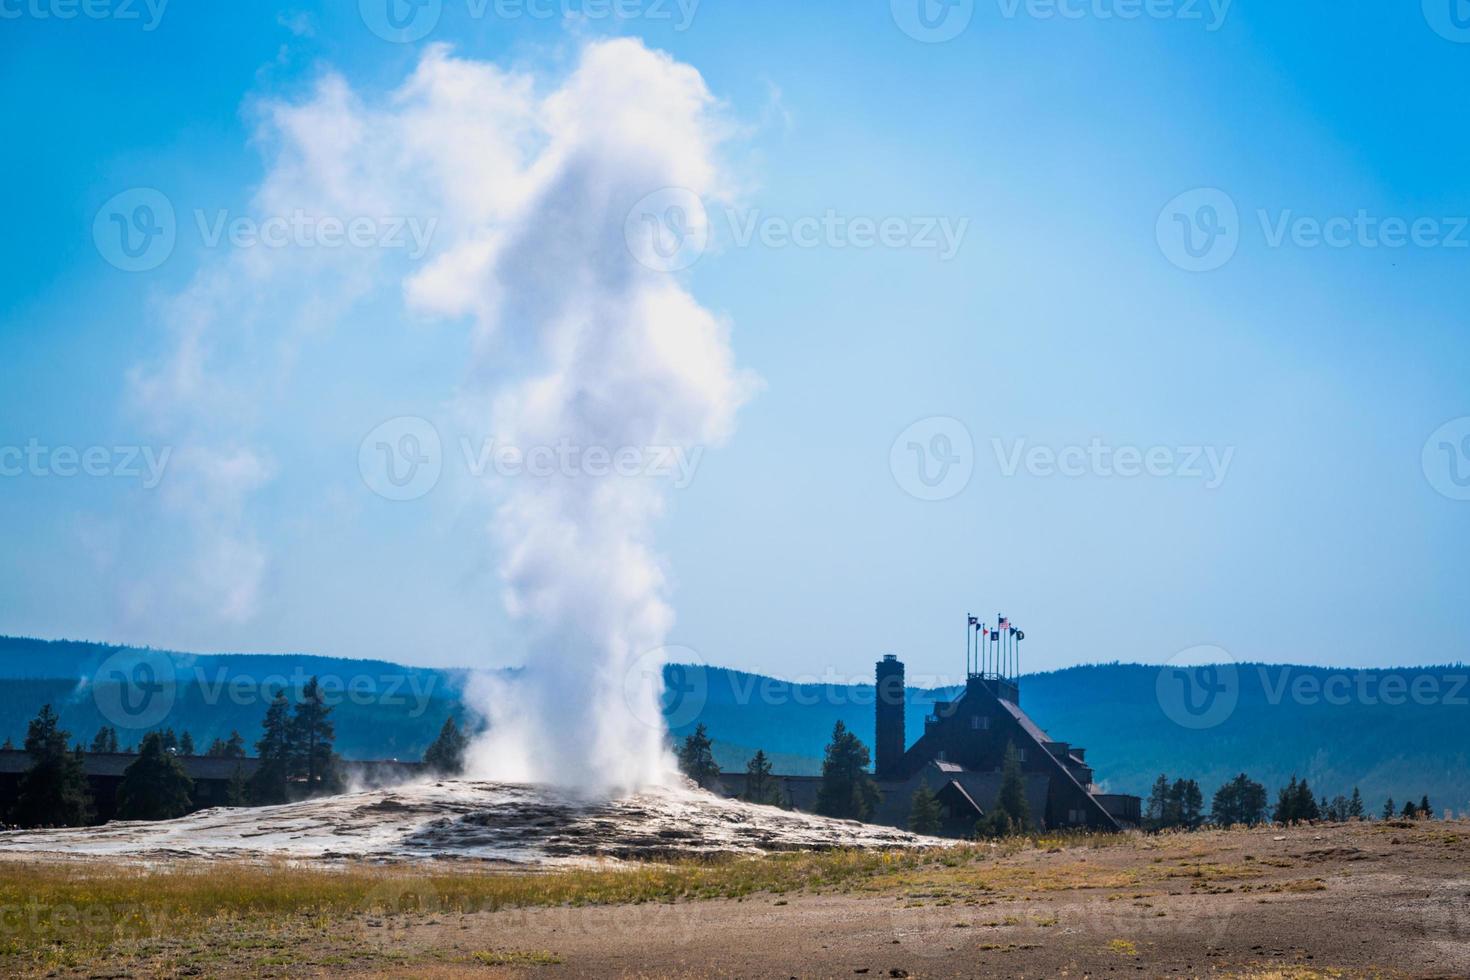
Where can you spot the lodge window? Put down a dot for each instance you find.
(979, 722)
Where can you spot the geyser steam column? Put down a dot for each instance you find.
(890, 734)
(617, 360)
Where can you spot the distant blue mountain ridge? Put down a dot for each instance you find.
(1401, 732)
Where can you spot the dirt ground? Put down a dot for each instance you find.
(1358, 900)
(1340, 901)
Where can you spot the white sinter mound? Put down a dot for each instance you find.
(479, 820)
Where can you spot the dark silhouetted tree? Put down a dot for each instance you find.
(446, 755)
(846, 791)
(154, 786)
(924, 812)
(105, 740)
(1410, 811)
(1240, 801)
(1012, 798)
(186, 744)
(311, 736)
(1388, 812)
(1355, 806)
(760, 785)
(1425, 810)
(697, 758)
(53, 792)
(273, 774)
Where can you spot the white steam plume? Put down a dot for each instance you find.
(529, 183)
(627, 360)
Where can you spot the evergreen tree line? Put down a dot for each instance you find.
(296, 760)
(1242, 800)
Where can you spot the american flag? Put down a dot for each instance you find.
(1005, 622)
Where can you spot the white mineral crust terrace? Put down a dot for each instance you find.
(471, 820)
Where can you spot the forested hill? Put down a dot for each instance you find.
(1392, 732)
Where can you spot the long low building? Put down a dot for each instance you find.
(212, 776)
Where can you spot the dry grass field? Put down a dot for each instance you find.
(1360, 900)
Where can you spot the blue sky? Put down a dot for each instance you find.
(1067, 148)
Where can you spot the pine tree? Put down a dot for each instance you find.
(105, 740)
(186, 744)
(9, 745)
(847, 791)
(1410, 811)
(268, 784)
(1355, 806)
(238, 793)
(170, 740)
(1156, 813)
(924, 812)
(1388, 809)
(1240, 801)
(697, 758)
(1012, 797)
(154, 786)
(1286, 803)
(222, 749)
(54, 791)
(760, 785)
(446, 755)
(1425, 810)
(1193, 811)
(311, 737)
(1306, 804)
